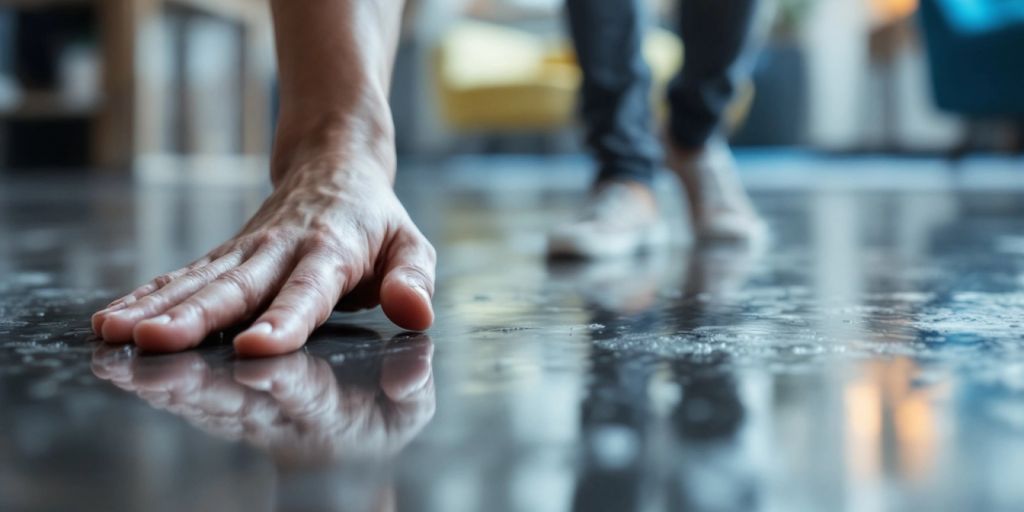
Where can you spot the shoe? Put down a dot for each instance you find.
(619, 219)
(720, 208)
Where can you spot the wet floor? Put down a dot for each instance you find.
(870, 358)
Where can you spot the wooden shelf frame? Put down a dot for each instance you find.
(230, 9)
(46, 105)
(125, 120)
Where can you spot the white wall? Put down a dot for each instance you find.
(846, 107)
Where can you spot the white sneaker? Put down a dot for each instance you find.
(720, 208)
(616, 221)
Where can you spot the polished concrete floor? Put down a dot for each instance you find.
(870, 358)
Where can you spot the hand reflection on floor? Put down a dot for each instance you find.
(296, 406)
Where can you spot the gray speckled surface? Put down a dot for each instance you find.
(870, 358)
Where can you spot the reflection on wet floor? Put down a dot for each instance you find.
(306, 413)
(869, 358)
(299, 408)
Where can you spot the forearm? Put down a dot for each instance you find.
(334, 65)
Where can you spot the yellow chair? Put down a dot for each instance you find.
(496, 79)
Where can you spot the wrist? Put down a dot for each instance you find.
(344, 140)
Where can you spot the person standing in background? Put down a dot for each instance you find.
(621, 217)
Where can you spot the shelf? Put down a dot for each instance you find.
(230, 9)
(128, 119)
(40, 4)
(46, 105)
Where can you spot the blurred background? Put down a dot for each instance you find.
(871, 360)
(108, 84)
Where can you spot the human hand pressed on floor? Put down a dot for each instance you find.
(333, 228)
(329, 231)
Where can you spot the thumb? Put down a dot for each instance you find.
(408, 284)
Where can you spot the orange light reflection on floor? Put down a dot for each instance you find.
(882, 409)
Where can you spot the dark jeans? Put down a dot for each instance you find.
(608, 35)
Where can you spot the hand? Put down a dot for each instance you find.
(294, 406)
(332, 229)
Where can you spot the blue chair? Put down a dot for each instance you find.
(976, 52)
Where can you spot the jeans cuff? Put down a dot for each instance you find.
(639, 172)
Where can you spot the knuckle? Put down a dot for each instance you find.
(137, 293)
(196, 308)
(321, 304)
(203, 274)
(163, 280)
(421, 259)
(194, 273)
(307, 284)
(187, 309)
(237, 254)
(272, 236)
(147, 303)
(419, 272)
(417, 245)
(322, 241)
(338, 263)
(431, 252)
(307, 314)
(205, 260)
(241, 282)
(420, 275)
(284, 309)
(219, 251)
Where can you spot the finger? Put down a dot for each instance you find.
(159, 282)
(229, 299)
(142, 291)
(304, 302)
(408, 283)
(116, 327)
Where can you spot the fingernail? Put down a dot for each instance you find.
(261, 328)
(162, 319)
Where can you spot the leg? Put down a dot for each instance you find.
(621, 217)
(608, 36)
(720, 39)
